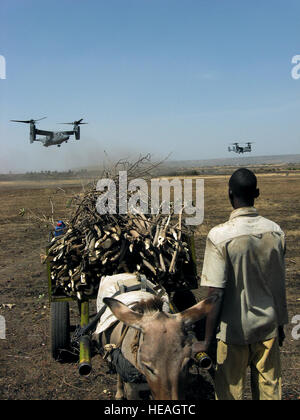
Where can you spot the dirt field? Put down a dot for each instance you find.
(26, 368)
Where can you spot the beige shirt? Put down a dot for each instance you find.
(245, 256)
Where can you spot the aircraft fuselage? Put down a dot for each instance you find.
(56, 139)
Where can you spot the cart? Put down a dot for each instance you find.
(60, 313)
(60, 327)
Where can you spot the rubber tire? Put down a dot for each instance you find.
(60, 329)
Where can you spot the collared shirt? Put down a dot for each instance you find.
(245, 256)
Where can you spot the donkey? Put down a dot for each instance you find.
(163, 344)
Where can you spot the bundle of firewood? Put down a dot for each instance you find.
(96, 246)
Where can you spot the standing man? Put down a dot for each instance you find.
(244, 264)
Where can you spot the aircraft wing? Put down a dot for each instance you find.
(68, 133)
(43, 132)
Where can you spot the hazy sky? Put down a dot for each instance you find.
(158, 76)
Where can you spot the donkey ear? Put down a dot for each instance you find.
(123, 313)
(198, 311)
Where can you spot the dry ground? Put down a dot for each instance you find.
(26, 368)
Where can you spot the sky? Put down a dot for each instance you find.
(179, 77)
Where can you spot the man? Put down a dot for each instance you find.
(244, 264)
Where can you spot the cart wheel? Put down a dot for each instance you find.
(60, 329)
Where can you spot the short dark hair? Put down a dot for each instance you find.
(243, 183)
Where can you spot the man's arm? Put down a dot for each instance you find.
(214, 276)
(212, 321)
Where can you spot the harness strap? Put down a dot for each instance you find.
(128, 371)
(135, 346)
(119, 344)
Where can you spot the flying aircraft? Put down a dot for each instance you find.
(240, 149)
(52, 138)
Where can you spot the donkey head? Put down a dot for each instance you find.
(166, 344)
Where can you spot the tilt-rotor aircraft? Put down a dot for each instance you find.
(52, 138)
(240, 149)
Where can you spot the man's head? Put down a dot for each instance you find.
(243, 188)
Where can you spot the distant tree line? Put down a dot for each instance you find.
(42, 175)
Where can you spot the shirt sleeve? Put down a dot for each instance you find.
(214, 267)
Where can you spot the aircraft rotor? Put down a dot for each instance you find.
(28, 121)
(79, 122)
